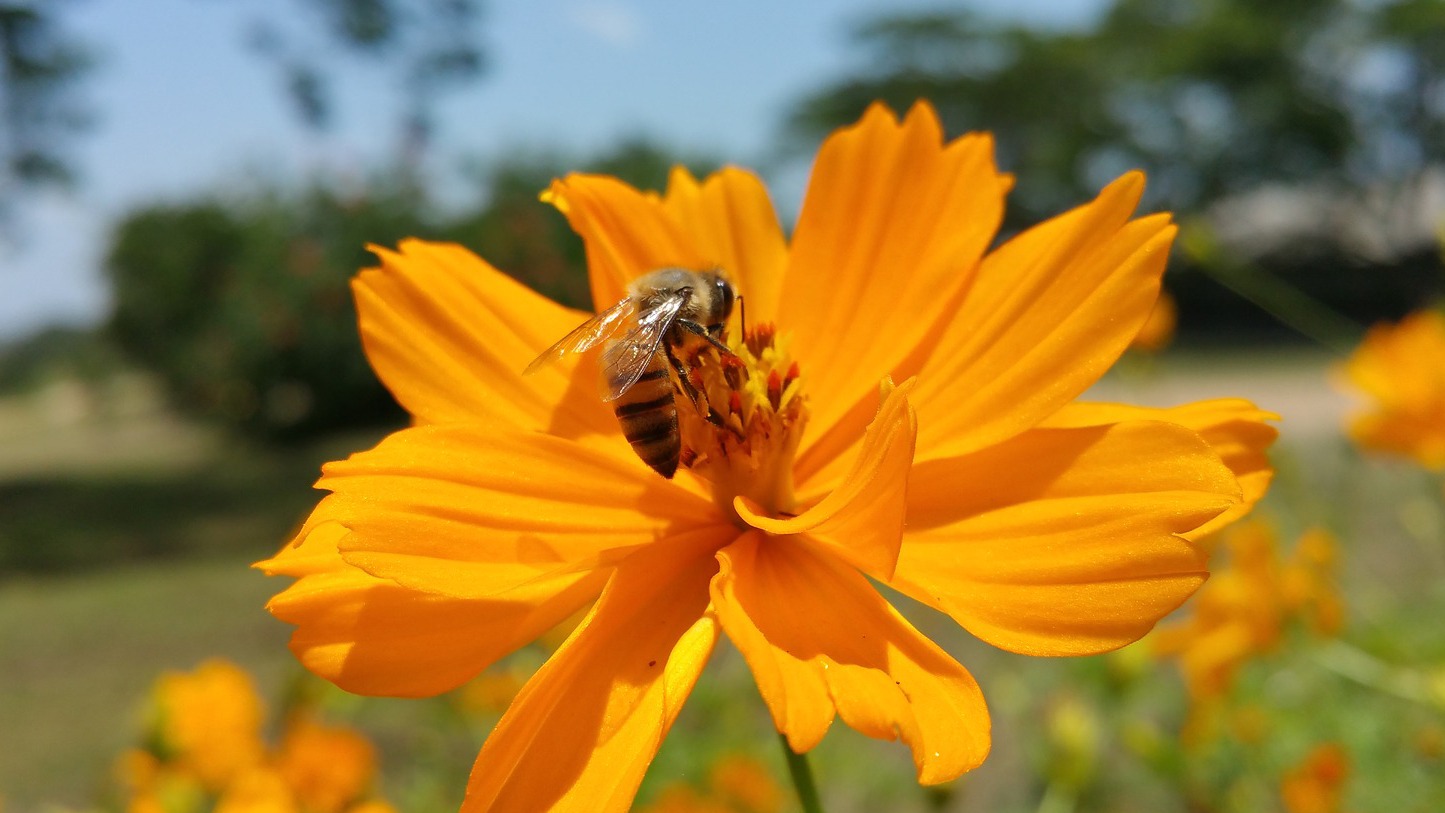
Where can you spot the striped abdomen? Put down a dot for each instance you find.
(649, 418)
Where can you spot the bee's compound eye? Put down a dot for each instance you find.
(724, 293)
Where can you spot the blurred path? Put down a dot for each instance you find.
(1299, 385)
(67, 427)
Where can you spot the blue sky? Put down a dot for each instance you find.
(183, 107)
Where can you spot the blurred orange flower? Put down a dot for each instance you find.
(326, 768)
(736, 784)
(1401, 368)
(1317, 783)
(209, 721)
(1243, 610)
(259, 790)
(976, 486)
(206, 750)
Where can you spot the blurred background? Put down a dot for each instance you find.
(186, 187)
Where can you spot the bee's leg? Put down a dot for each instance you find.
(694, 327)
(681, 369)
(691, 391)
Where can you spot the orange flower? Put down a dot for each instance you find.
(736, 784)
(975, 486)
(208, 750)
(258, 790)
(1401, 368)
(209, 721)
(1242, 612)
(1317, 783)
(325, 767)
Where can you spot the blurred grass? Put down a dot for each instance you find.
(78, 654)
(126, 536)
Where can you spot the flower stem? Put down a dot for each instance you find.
(802, 776)
(1293, 307)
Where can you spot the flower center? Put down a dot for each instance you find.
(741, 417)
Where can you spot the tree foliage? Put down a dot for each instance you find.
(432, 46)
(40, 111)
(1210, 97)
(242, 306)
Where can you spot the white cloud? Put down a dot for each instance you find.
(615, 24)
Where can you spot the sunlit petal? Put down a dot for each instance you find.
(371, 636)
(1050, 311)
(627, 233)
(1064, 541)
(730, 219)
(449, 335)
(821, 641)
(1236, 429)
(582, 731)
(892, 226)
(468, 513)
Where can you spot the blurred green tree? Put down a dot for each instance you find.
(241, 305)
(40, 110)
(1211, 98)
(433, 46)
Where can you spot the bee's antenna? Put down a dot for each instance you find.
(743, 315)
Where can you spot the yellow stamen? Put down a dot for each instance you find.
(741, 433)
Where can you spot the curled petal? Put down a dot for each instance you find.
(821, 641)
(449, 335)
(1234, 428)
(1064, 541)
(862, 519)
(465, 512)
(892, 226)
(312, 549)
(1049, 312)
(582, 731)
(370, 636)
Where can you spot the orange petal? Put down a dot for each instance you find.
(370, 636)
(821, 641)
(731, 221)
(892, 225)
(449, 335)
(582, 731)
(1233, 427)
(861, 520)
(312, 549)
(1064, 541)
(627, 233)
(1049, 312)
(470, 513)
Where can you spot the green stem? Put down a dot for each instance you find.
(802, 778)
(1294, 308)
(1367, 670)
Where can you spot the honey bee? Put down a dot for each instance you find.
(642, 337)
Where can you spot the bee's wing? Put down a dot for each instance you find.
(587, 335)
(624, 360)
